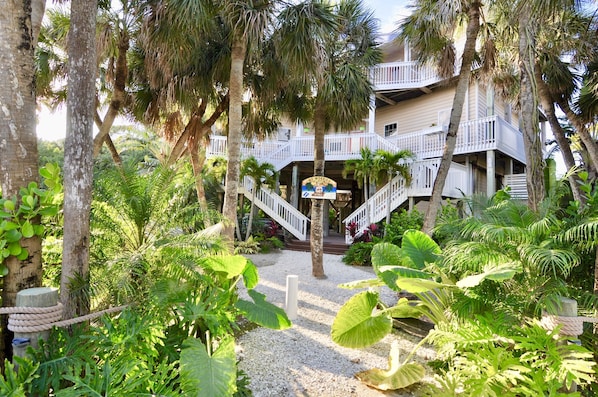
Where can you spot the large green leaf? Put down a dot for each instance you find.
(208, 376)
(250, 275)
(391, 274)
(420, 248)
(405, 309)
(496, 273)
(27, 229)
(360, 284)
(263, 313)
(396, 377)
(417, 285)
(231, 265)
(356, 325)
(385, 254)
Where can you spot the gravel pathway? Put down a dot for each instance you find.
(303, 360)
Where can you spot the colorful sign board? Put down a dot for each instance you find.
(318, 187)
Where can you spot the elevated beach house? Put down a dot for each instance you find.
(411, 110)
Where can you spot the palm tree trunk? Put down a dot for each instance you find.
(78, 157)
(229, 210)
(581, 129)
(388, 202)
(317, 207)
(473, 27)
(559, 134)
(366, 194)
(118, 96)
(198, 158)
(529, 109)
(251, 212)
(19, 29)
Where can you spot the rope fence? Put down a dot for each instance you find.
(570, 325)
(38, 319)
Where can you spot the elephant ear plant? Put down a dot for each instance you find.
(415, 267)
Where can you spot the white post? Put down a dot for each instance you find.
(291, 297)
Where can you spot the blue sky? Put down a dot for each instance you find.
(389, 12)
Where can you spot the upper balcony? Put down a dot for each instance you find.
(402, 76)
(488, 133)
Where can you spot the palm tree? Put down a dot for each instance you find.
(430, 31)
(339, 64)
(364, 172)
(19, 29)
(261, 174)
(388, 165)
(78, 155)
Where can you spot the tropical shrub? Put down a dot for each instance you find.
(400, 222)
(359, 254)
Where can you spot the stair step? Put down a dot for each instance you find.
(329, 248)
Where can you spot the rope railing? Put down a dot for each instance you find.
(38, 319)
(570, 325)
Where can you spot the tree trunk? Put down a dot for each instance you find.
(198, 158)
(235, 119)
(388, 202)
(473, 27)
(19, 28)
(78, 158)
(251, 213)
(317, 207)
(366, 195)
(118, 96)
(582, 131)
(559, 134)
(529, 110)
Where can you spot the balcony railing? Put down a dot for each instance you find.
(488, 133)
(402, 75)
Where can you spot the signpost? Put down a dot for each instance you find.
(318, 187)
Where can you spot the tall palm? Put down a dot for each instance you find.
(388, 165)
(18, 142)
(261, 174)
(78, 155)
(430, 31)
(342, 54)
(364, 172)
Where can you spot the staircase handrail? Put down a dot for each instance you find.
(278, 209)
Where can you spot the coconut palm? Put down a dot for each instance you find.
(260, 174)
(364, 172)
(388, 165)
(430, 31)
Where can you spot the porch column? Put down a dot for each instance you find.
(295, 186)
(299, 128)
(468, 177)
(509, 167)
(490, 173)
(372, 115)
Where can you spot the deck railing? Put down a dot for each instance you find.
(397, 75)
(423, 174)
(488, 133)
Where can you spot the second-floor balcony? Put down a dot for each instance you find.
(488, 133)
(402, 75)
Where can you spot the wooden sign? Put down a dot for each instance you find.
(318, 187)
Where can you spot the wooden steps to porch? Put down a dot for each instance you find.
(334, 245)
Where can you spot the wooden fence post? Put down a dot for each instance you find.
(33, 297)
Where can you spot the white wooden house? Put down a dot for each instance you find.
(411, 110)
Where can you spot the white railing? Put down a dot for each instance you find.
(278, 209)
(488, 133)
(518, 185)
(423, 174)
(396, 75)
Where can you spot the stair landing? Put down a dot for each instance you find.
(334, 244)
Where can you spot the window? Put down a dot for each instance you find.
(390, 129)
